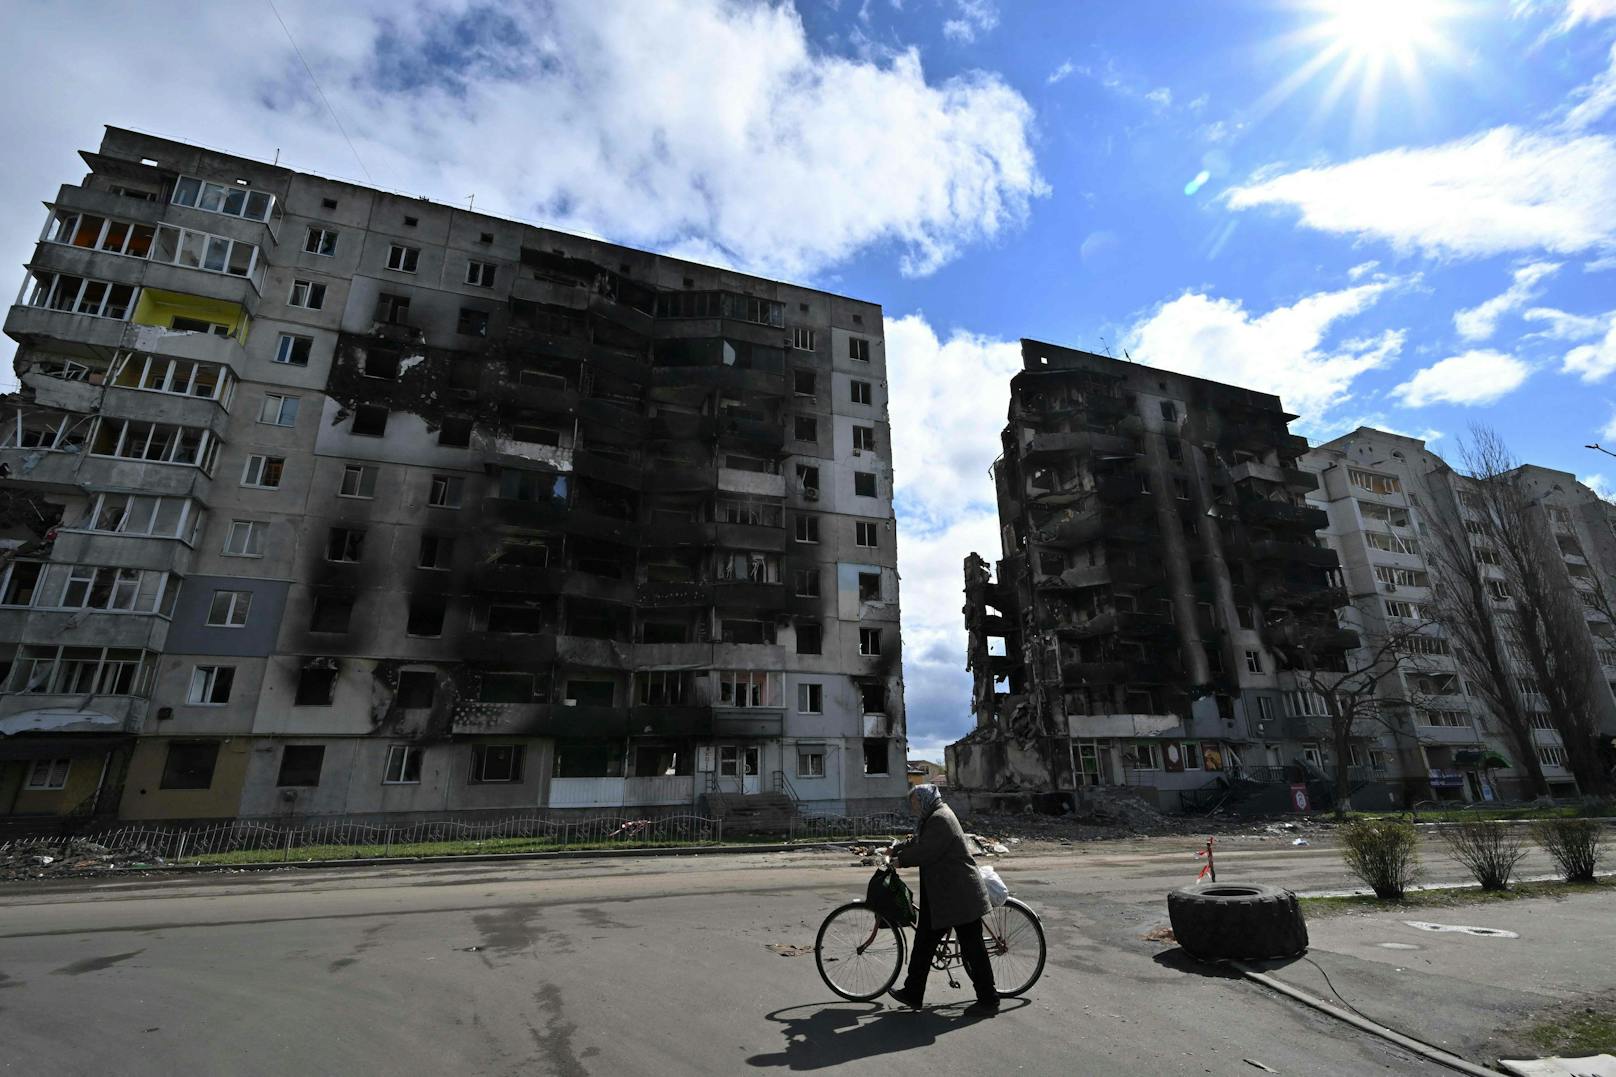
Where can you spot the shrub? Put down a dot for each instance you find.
(1383, 853)
(1574, 844)
(1490, 850)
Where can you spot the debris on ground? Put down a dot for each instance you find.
(790, 949)
(55, 858)
(1159, 934)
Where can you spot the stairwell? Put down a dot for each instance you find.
(752, 813)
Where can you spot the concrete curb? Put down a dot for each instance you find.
(478, 858)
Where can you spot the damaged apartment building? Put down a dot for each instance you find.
(1159, 564)
(321, 500)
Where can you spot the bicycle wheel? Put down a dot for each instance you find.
(1015, 942)
(859, 952)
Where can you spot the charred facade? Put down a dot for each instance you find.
(1159, 576)
(403, 508)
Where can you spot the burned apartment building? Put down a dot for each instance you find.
(323, 500)
(1160, 574)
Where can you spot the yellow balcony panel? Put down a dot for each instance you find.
(160, 308)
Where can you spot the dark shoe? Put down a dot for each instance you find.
(983, 1007)
(909, 998)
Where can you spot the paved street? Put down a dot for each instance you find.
(622, 966)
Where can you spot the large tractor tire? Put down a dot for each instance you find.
(1237, 921)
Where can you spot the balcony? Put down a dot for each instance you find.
(1095, 673)
(540, 720)
(589, 464)
(1081, 442)
(748, 722)
(587, 523)
(1071, 528)
(677, 426)
(667, 720)
(522, 649)
(665, 532)
(518, 579)
(44, 471)
(673, 655)
(74, 334)
(1283, 514)
(517, 513)
(751, 536)
(749, 595)
(38, 713)
(1302, 553)
(672, 476)
(1447, 734)
(1291, 478)
(622, 792)
(755, 483)
(583, 652)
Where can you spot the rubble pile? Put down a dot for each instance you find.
(55, 858)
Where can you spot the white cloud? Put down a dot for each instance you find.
(1500, 191)
(1479, 322)
(1064, 71)
(954, 393)
(1597, 98)
(1565, 326)
(1476, 377)
(1608, 432)
(1363, 269)
(1599, 484)
(1161, 97)
(748, 138)
(1374, 421)
(1593, 362)
(1284, 351)
(1578, 12)
(975, 17)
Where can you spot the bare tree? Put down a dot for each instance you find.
(1361, 685)
(1501, 526)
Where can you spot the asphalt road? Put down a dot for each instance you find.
(623, 967)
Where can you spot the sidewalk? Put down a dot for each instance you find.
(1460, 991)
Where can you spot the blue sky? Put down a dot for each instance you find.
(1391, 213)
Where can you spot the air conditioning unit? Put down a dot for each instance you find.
(810, 494)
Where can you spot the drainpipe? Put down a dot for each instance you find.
(100, 783)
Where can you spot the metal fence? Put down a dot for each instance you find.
(350, 840)
(827, 827)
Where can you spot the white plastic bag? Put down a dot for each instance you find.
(998, 893)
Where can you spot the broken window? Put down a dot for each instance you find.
(211, 684)
(802, 339)
(662, 688)
(455, 433)
(807, 528)
(1175, 450)
(806, 583)
(293, 350)
(472, 322)
(861, 393)
(444, 491)
(869, 586)
(866, 533)
(358, 480)
(49, 773)
(594, 758)
(496, 763)
(810, 637)
(331, 613)
(425, 616)
(806, 428)
(1253, 661)
(664, 632)
(321, 241)
(873, 697)
(869, 642)
(300, 765)
(189, 764)
(263, 471)
(402, 259)
(381, 363)
(864, 484)
(1169, 411)
(802, 383)
(808, 481)
(344, 544)
(734, 630)
(403, 765)
(516, 619)
(536, 435)
(480, 274)
(506, 688)
(370, 420)
(590, 693)
(877, 751)
(416, 689)
(864, 439)
(810, 697)
(307, 294)
(393, 309)
(858, 349)
(236, 201)
(437, 551)
(748, 688)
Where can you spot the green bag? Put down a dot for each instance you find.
(889, 896)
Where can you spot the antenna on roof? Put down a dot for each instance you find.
(471, 202)
(1106, 348)
(1126, 356)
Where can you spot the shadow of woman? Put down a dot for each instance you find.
(818, 1036)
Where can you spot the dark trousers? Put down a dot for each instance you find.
(972, 951)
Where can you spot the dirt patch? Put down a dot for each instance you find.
(1576, 1029)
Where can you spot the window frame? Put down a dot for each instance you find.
(407, 258)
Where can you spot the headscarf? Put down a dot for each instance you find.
(930, 798)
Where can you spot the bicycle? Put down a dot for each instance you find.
(860, 953)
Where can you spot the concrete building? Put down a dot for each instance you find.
(1385, 495)
(322, 500)
(1158, 559)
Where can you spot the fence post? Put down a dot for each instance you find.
(180, 853)
(387, 849)
(720, 830)
(287, 854)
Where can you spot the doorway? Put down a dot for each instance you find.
(739, 767)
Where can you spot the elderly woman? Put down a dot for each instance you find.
(951, 896)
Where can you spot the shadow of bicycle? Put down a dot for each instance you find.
(819, 1036)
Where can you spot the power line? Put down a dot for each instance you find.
(319, 90)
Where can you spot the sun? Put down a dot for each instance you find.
(1368, 49)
